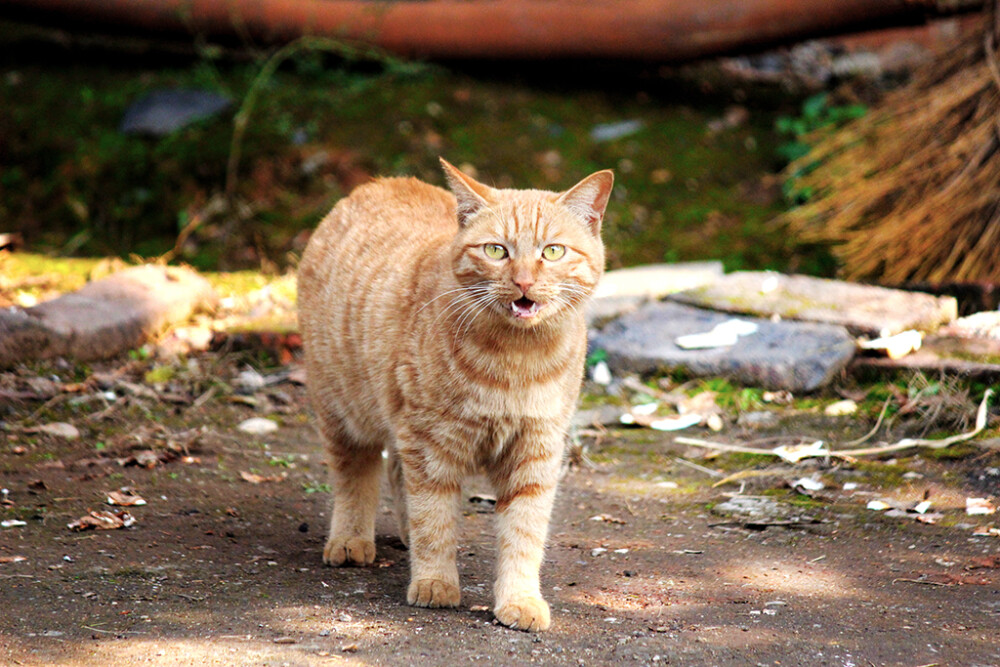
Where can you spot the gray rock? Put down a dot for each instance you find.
(603, 415)
(624, 290)
(753, 507)
(105, 317)
(617, 130)
(863, 309)
(797, 356)
(164, 111)
(757, 419)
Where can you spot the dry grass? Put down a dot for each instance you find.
(910, 192)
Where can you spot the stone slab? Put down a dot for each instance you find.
(797, 356)
(862, 309)
(105, 317)
(623, 290)
(985, 325)
(975, 357)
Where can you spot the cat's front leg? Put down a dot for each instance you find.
(525, 481)
(432, 497)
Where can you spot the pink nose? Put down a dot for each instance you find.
(524, 282)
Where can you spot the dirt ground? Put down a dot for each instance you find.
(223, 563)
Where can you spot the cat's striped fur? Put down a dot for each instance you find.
(443, 328)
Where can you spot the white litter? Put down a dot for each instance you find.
(724, 334)
(795, 453)
(897, 346)
(601, 374)
(809, 484)
(841, 408)
(979, 506)
(257, 426)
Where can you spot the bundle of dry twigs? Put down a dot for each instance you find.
(911, 191)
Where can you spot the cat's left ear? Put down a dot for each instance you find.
(588, 199)
(470, 193)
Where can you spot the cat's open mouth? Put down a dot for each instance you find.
(524, 308)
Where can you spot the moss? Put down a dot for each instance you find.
(883, 475)
(954, 452)
(681, 192)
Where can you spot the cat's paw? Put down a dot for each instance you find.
(433, 593)
(524, 613)
(348, 551)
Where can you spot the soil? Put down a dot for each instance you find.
(643, 567)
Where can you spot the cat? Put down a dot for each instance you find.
(448, 329)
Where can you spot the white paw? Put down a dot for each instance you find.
(526, 612)
(348, 551)
(433, 593)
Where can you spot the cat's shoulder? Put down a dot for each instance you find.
(405, 191)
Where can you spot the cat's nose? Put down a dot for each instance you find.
(524, 281)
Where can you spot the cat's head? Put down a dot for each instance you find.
(528, 256)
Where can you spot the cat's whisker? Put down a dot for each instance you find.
(453, 291)
(470, 314)
(454, 306)
(471, 293)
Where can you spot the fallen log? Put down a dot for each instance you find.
(661, 30)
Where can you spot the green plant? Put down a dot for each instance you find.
(281, 461)
(816, 113)
(316, 487)
(596, 357)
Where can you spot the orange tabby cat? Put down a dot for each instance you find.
(448, 329)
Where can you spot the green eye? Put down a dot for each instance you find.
(495, 251)
(553, 252)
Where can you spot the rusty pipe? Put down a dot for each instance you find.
(663, 30)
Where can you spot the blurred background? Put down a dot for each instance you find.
(217, 134)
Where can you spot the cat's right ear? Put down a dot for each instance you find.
(472, 195)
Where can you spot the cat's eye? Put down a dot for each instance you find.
(495, 251)
(553, 252)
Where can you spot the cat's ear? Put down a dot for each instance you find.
(470, 193)
(588, 199)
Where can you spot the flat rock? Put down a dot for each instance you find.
(984, 325)
(973, 357)
(623, 290)
(164, 111)
(797, 356)
(602, 415)
(862, 309)
(105, 317)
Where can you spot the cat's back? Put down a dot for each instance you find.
(370, 257)
(377, 215)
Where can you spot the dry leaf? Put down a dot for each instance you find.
(12, 559)
(607, 518)
(125, 497)
(254, 478)
(146, 458)
(102, 521)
